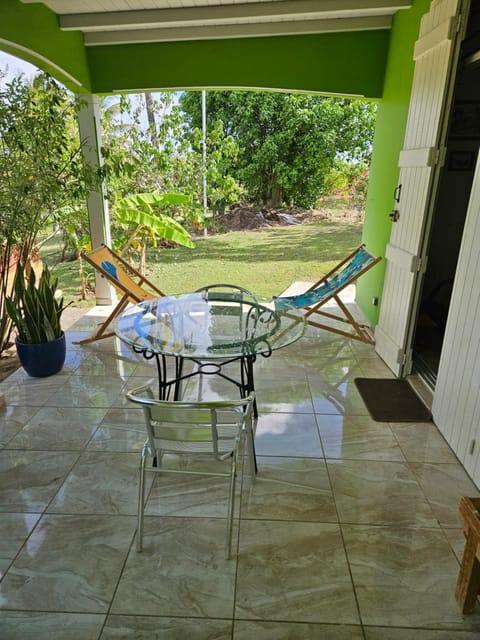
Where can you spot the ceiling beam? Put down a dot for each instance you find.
(249, 30)
(230, 13)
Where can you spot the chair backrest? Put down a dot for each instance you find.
(125, 278)
(193, 427)
(220, 292)
(345, 273)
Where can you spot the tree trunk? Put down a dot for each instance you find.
(276, 197)
(151, 118)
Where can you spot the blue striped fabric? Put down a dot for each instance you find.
(359, 261)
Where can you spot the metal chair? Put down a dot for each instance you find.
(220, 291)
(212, 430)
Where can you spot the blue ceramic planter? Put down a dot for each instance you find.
(44, 359)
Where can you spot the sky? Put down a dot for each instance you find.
(15, 66)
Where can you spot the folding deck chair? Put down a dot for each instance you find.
(328, 288)
(130, 284)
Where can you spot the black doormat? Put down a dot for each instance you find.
(392, 400)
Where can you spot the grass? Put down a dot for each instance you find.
(265, 261)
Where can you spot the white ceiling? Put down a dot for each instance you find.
(132, 21)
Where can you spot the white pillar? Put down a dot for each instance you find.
(90, 135)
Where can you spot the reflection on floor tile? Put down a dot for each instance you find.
(290, 489)
(379, 492)
(401, 576)
(358, 438)
(293, 434)
(350, 532)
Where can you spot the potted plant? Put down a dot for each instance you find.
(35, 311)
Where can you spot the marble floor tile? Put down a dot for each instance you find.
(134, 627)
(357, 438)
(293, 571)
(374, 368)
(58, 429)
(192, 495)
(336, 398)
(39, 625)
(100, 482)
(351, 531)
(257, 630)
(87, 391)
(289, 489)
(14, 530)
(70, 564)
(32, 392)
(378, 492)
(382, 633)
(285, 396)
(180, 572)
(456, 538)
(444, 484)
(401, 575)
(289, 434)
(30, 479)
(118, 437)
(422, 442)
(12, 420)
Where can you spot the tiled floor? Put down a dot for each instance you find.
(350, 532)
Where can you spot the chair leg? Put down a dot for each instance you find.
(141, 502)
(252, 457)
(231, 508)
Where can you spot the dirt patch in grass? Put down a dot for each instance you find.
(248, 218)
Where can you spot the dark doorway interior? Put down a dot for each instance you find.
(451, 206)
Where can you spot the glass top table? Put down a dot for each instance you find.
(210, 328)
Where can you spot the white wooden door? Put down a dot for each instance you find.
(456, 403)
(436, 55)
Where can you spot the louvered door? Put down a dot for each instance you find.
(436, 55)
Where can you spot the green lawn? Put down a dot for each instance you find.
(265, 261)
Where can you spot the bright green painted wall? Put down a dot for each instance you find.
(388, 142)
(349, 63)
(34, 29)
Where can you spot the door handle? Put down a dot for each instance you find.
(394, 215)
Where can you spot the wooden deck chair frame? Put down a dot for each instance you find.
(358, 331)
(127, 281)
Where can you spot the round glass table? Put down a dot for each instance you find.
(211, 328)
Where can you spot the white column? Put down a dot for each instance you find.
(90, 135)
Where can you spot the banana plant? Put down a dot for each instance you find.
(140, 214)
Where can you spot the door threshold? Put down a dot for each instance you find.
(422, 388)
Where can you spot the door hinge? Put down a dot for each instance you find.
(440, 155)
(419, 264)
(405, 357)
(472, 447)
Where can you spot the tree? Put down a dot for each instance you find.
(41, 171)
(162, 159)
(287, 142)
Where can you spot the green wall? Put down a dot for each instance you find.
(388, 142)
(348, 63)
(30, 32)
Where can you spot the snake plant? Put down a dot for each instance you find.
(33, 308)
